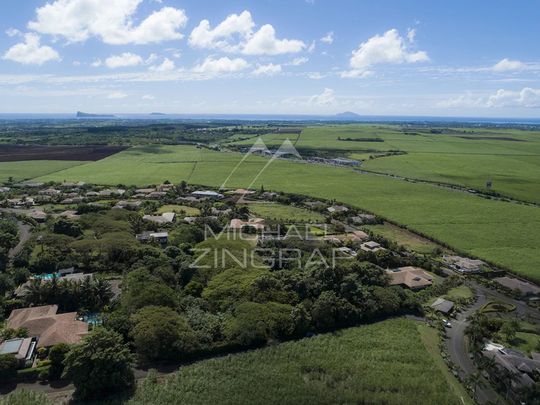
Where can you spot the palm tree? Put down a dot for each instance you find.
(474, 381)
(34, 292)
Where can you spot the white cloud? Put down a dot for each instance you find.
(148, 97)
(96, 63)
(31, 52)
(299, 61)
(526, 97)
(466, 100)
(389, 48)
(166, 66)
(221, 65)
(505, 65)
(111, 21)
(267, 70)
(117, 95)
(327, 97)
(328, 38)
(234, 28)
(316, 76)
(123, 60)
(13, 32)
(411, 35)
(236, 34)
(264, 42)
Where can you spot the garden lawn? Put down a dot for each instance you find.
(385, 362)
(284, 212)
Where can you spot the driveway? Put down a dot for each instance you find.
(24, 235)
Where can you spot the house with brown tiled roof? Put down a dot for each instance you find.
(49, 327)
(414, 278)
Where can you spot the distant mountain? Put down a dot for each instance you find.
(348, 115)
(157, 113)
(81, 114)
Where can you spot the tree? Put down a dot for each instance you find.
(8, 367)
(66, 227)
(160, 333)
(256, 323)
(57, 355)
(509, 330)
(100, 365)
(474, 381)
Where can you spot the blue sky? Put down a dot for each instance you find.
(459, 58)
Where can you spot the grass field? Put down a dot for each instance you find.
(466, 157)
(29, 169)
(403, 237)
(382, 363)
(504, 233)
(189, 211)
(284, 212)
(462, 292)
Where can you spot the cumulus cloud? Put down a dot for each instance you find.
(148, 97)
(389, 48)
(221, 65)
(327, 97)
(111, 21)
(117, 95)
(267, 70)
(264, 42)
(236, 34)
(31, 52)
(506, 65)
(123, 60)
(226, 35)
(526, 97)
(166, 66)
(299, 61)
(328, 38)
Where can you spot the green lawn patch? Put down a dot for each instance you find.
(189, 211)
(461, 292)
(284, 212)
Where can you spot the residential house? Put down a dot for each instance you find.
(23, 349)
(371, 246)
(160, 237)
(165, 218)
(47, 326)
(443, 306)
(337, 209)
(414, 278)
(524, 287)
(464, 264)
(132, 205)
(526, 371)
(207, 194)
(363, 219)
(255, 223)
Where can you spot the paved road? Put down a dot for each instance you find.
(456, 343)
(24, 235)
